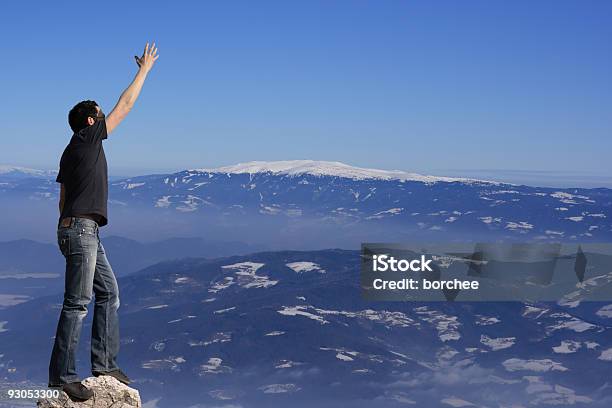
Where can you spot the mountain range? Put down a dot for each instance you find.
(289, 328)
(305, 204)
(210, 324)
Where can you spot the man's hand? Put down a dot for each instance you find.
(149, 56)
(130, 94)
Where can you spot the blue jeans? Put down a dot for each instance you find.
(87, 272)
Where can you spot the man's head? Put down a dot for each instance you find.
(83, 114)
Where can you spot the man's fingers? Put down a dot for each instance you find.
(149, 54)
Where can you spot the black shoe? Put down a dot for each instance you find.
(118, 374)
(78, 391)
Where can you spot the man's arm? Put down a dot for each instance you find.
(62, 198)
(129, 96)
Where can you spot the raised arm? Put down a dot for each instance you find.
(128, 97)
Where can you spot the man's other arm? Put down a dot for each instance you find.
(130, 94)
(62, 198)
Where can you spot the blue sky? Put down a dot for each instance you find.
(441, 87)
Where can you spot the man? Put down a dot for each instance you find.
(83, 209)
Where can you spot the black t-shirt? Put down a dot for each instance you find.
(84, 173)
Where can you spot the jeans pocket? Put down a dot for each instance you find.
(86, 229)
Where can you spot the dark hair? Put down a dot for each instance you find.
(77, 117)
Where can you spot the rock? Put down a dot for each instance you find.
(108, 392)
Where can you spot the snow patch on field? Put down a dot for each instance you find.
(214, 366)
(534, 312)
(384, 317)
(489, 219)
(221, 395)
(456, 402)
(279, 388)
(182, 318)
(221, 337)
(163, 202)
(568, 322)
(246, 276)
(567, 347)
(518, 226)
(499, 343)
(12, 300)
(486, 320)
(300, 267)
(544, 365)
(447, 326)
(275, 333)
(171, 363)
(343, 354)
(130, 186)
(191, 203)
(157, 307)
(605, 311)
(286, 364)
(383, 214)
(301, 311)
(343, 357)
(229, 309)
(549, 394)
(568, 198)
(222, 284)
(606, 355)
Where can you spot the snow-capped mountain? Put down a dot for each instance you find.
(346, 205)
(8, 171)
(289, 328)
(324, 168)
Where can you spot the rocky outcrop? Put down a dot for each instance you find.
(108, 392)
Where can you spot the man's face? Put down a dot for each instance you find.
(99, 115)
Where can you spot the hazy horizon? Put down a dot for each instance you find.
(542, 178)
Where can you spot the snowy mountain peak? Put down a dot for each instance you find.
(9, 170)
(327, 168)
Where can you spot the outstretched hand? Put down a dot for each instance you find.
(148, 58)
